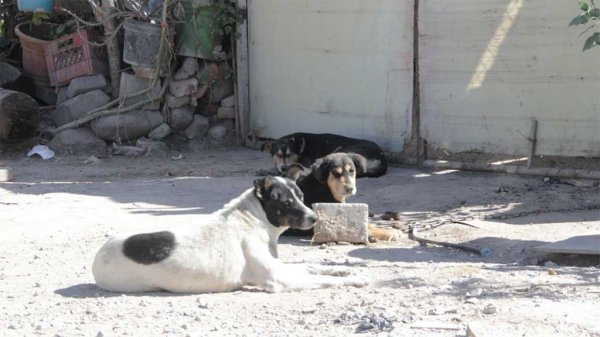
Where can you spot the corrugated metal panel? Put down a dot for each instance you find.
(489, 67)
(338, 66)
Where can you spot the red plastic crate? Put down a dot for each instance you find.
(72, 56)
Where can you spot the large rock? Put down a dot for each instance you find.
(83, 84)
(217, 133)
(130, 84)
(78, 141)
(177, 102)
(79, 106)
(180, 118)
(183, 87)
(8, 73)
(160, 132)
(128, 126)
(198, 127)
(188, 68)
(228, 102)
(219, 90)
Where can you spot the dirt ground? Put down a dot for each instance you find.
(56, 214)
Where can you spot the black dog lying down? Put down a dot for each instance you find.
(306, 148)
(332, 179)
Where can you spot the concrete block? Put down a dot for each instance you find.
(128, 126)
(83, 84)
(228, 102)
(5, 174)
(180, 118)
(341, 223)
(130, 84)
(188, 68)
(160, 132)
(61, 96)
(198, 127)
(183, 87)
(79, 106)
(225, 113)
(78, 141)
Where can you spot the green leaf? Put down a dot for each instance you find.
(592, 41)
(583, 5)
(580, 19)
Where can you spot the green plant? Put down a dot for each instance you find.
(590, 15)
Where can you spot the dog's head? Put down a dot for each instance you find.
(285, 151)
(282, 202)
(338, 171)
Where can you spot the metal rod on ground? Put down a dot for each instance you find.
(532, 142)
(485, 252)
(487, 167)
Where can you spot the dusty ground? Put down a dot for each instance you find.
(57, 213)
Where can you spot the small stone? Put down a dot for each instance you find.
(474, 293)
(228, 102)
(226, 113)
(197, 128)
(489, 309)
(217, 133)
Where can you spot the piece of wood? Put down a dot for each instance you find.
(586, 244)
(19, 115)
(532, 142)
(242, 106)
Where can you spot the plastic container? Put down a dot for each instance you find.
(33, 5)
(199, 34)
(72, 56)
(141, 43)
(32, 42)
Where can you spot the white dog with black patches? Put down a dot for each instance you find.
(237, 247)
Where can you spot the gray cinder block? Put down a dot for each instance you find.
(341, 223)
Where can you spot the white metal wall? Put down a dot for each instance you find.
(337, 66)
(489, 66)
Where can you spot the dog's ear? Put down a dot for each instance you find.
(261, 186)
(360, 163)
(267, 145)
(294, 171)
(320, 170)
(298, 144)
(301, 144)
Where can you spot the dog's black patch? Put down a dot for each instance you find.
(149, 248)
(306, 148)
(281, 200)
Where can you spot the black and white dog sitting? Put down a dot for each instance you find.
(235, 247)
(332, 179)
(306, 148)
